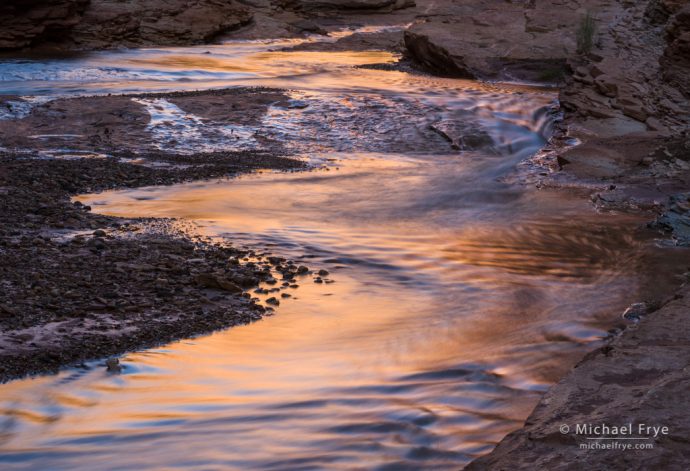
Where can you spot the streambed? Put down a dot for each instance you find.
(457, 296)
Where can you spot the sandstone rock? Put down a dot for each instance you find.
(433, 56)
(109, 23)
(462, 135)
(639, 377)
(114, 23)
(212, 281)
(256, 3)
(637, 112)
(675, 62)
(659, 11)
(354, 4)
(206, 280)
(309, 27)
(228, 285)
(495, 40)
(595, 70)
(655, 125)
(606, 85)
(27, 22)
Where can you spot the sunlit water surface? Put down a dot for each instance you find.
(457, 297)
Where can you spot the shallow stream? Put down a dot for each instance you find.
(457, 296)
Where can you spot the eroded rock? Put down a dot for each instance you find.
(492, 40)
(676, 59)
(93, 24)
(110, 23)
(27, 22)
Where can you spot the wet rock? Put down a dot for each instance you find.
(639, 376)
(97, 243)
(113, 365)
(676, 219)
(463, 135)
(636, 311)
(206, 280)
(212, 281)
(323, 272)
(227, 285)
(273, 301)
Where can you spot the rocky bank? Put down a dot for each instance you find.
(640, 377)
(99, 24)
(79, 286)
(622, 68)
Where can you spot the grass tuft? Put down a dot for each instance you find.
(585, 33)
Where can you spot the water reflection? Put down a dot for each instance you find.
(457, 298)
(441, 330)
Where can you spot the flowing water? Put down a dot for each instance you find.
(457, 296)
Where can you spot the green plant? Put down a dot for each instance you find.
(585, 33)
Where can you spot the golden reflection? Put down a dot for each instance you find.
(257, 62)
(455, 301)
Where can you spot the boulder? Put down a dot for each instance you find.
(433, 55)
(496, 40)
